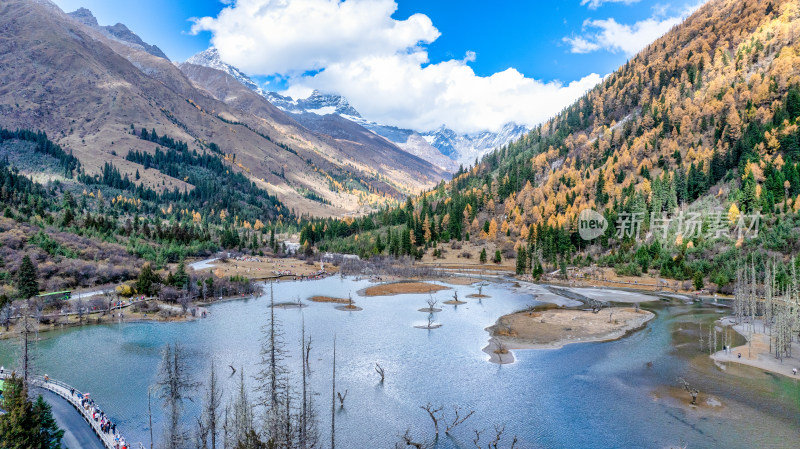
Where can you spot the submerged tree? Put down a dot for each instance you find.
(272, 382)
(209, 423)
(175, 386)
(242, 426)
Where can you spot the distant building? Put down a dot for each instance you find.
(291, 247)
(338, 257)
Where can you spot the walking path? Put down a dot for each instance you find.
(77, 435)
(758, 352)
(70, 394)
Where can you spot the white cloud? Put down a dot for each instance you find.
(448, 93)
(594, 4)
(581, 45)
(629, 39)
(282, 36)
(356, 49)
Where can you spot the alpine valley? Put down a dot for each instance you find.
(190, 260)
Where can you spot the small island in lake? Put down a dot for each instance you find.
(554, 328)
(400, 288)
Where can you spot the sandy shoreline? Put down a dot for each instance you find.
(758, 353)
(554, 328)
(128, 316)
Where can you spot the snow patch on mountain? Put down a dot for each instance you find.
(210, 58)
(431, 145)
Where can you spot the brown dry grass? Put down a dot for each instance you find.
(349, 308)
(457, 280)
(265, 268)
(329, 299)
(452, 258)
(400, 288)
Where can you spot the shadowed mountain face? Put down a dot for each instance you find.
(86, 86)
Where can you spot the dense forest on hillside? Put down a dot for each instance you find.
(704, 121)
(83, 230)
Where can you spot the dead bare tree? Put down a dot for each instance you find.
(25, 330)
(307, 352)
(432, 302)
(341, 397)
(380, 371)
(272, 378)
(435, 414)
(213, 402)
(80, 307)
(498, 437)
(7, 311)
(175, 386)
(184, 300)
(689, 389)
(501, 349)
(409, 442)
(307, 430)
(457, 419)
(333, 398)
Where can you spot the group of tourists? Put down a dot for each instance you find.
(105, 424)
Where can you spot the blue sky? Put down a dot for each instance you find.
(530, 50)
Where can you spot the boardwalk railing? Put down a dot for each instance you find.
(65, 391)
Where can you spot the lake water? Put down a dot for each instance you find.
(584, 395)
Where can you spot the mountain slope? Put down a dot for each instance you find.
(430, 146)
(344, 139)
(308, 112)
(700, 131)
(86, 90)
(459, 148)
(118, 31)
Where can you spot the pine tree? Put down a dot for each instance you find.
(27, 285)
(793, 103)
(521, 261)
(49, 435)
(181, 278)
(146, 283)
(26, 425)
(749, 193)
(483, 255)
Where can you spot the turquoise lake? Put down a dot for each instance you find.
(593, 395)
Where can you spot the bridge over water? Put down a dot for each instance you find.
(64, 391)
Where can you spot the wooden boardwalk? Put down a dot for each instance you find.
(65, 391)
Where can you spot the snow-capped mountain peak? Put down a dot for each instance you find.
(210, 58)
(465, 148)
(431, 145)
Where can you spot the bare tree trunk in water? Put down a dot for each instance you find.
(150, 414)
(333, 398)
(213, 403)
